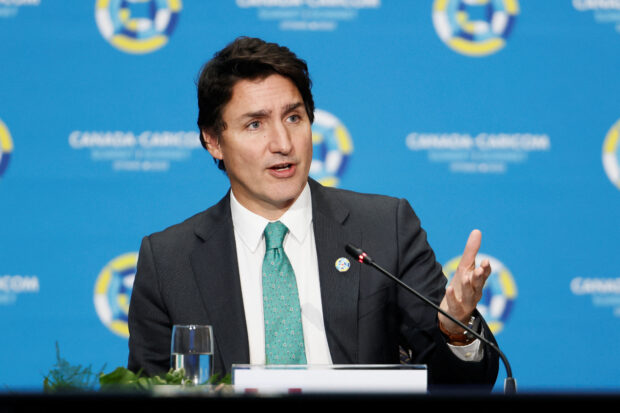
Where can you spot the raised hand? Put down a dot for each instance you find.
(465, 289)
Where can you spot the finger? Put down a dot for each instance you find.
(486, 267)
(474, 286)
(468, 258)
(450, 300)
(481, 274)
(468, 288)
(477, 285)
(454, 306)
(478, 278)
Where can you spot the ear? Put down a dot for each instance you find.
(213, 144)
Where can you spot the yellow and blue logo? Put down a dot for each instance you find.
(113, 292)
(137, 26)
(498, 295)
(6, 148)
(611, 154)
(475, 27)
(331, 148)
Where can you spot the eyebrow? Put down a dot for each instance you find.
(292, 106)
(262, 113)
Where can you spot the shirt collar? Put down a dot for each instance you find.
(250, 226)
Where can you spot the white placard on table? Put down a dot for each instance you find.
(329, 379)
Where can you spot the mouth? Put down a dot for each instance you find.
(281, 167)
(282, 170)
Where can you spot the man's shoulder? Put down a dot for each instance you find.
(356, 201)
(347, 194)
(198, 225)
(180, 228)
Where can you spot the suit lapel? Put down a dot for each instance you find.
(339, 290)
(214, 262)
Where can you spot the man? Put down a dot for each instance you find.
(255, 117)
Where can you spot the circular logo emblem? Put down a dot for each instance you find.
(475, 27)
(342, 264)
(6, 148)
(331, 148)
(611, 154)
(113, 291)
(498, 295)
(137, 26)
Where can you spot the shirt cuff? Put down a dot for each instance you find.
(473, 351)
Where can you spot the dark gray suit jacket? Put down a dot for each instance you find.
(188, 274)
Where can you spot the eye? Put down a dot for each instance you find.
(294, 118)
(253, 125)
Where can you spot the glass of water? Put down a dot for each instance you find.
(192, 350)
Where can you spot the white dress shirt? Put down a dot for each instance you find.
(300, 248)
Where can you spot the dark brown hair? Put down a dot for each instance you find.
(245, 58)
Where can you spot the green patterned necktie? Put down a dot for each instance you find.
(284, 338)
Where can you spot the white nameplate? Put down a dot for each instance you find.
(330, 379)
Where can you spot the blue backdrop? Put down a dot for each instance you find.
(500, 115)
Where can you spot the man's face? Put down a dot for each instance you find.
(267, 144)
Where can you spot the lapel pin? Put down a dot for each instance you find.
(342, 264)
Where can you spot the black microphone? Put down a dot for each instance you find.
(510, 385)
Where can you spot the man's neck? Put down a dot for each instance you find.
(266, 210)
(270, 212)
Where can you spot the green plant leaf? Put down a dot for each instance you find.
(64, 376)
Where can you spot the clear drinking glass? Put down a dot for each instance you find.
(192, 350)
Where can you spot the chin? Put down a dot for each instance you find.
(285, 194)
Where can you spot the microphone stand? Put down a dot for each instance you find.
(510, 384)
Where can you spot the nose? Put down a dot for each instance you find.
(280, 139)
